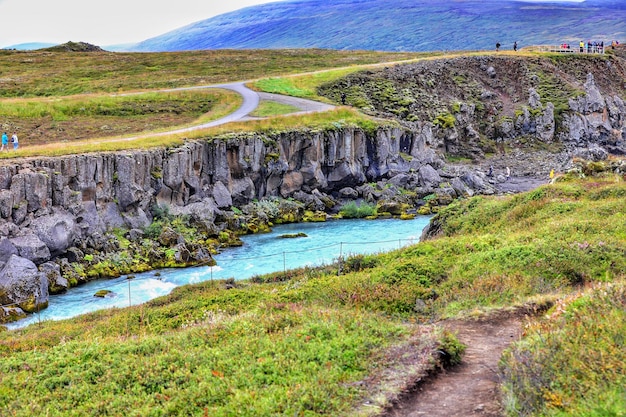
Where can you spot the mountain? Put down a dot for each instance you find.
(399, 25)
(30, 46)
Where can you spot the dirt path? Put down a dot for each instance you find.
(470, 389)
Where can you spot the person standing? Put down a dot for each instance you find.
(515, 46)
(497, 46)
(15, 141)
(5, 142)
(582, 47)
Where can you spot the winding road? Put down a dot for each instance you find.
(251, 100)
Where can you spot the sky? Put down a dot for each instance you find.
(102, 23)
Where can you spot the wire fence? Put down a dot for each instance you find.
(281, 264)
(574, 49)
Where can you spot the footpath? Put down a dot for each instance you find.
(471, 388)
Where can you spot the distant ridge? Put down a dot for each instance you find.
(30, 46)
(399, 25)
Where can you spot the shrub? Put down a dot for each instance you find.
(352, 210)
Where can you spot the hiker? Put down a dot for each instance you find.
(582, 47)
(497, 46)
(515, 46)
(15, 141)
(5, 142)
(508, 173)
(490, 173)
(343, 98)
(551, 174)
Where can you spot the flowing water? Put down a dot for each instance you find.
(262, 253)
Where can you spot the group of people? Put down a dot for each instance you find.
(514, 46)
(5, 141)
(592, 47)
(507, 176)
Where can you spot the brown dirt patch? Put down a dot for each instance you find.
(471, 388)
(44, 130)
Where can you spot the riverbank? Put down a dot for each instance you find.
(328, 243)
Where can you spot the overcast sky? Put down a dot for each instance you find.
(104, 22)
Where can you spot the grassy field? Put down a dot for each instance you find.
(335, 119)
(307, 344)
(74, 119)
(69, 98)
(45, 74)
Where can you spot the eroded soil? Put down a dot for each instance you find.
(471, 388)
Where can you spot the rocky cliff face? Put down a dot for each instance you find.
(54, 208)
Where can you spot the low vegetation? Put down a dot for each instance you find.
(335, 119)
(308, 343)
(572, 362)
(352, 210)
(272, 108)
(94, 117)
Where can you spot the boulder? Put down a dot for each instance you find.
(22, 284)
(7, 249)
(56, 283)
(58, 231)
(461, 188)
(429, 176)
(349, 192)
(31, 248)
(9, 314)
(311, 202)
(137, 219)
(221, 196)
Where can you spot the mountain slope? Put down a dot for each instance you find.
(399, 25)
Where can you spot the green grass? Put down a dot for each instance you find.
(272, 108)
(305, 85)
(336, 119)
(573, 361)
(202, 350)
(65, 108)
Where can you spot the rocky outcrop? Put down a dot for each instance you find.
(62, 208)
(595, 121)
(474, 107)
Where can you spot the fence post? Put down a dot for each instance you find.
(340, 258)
